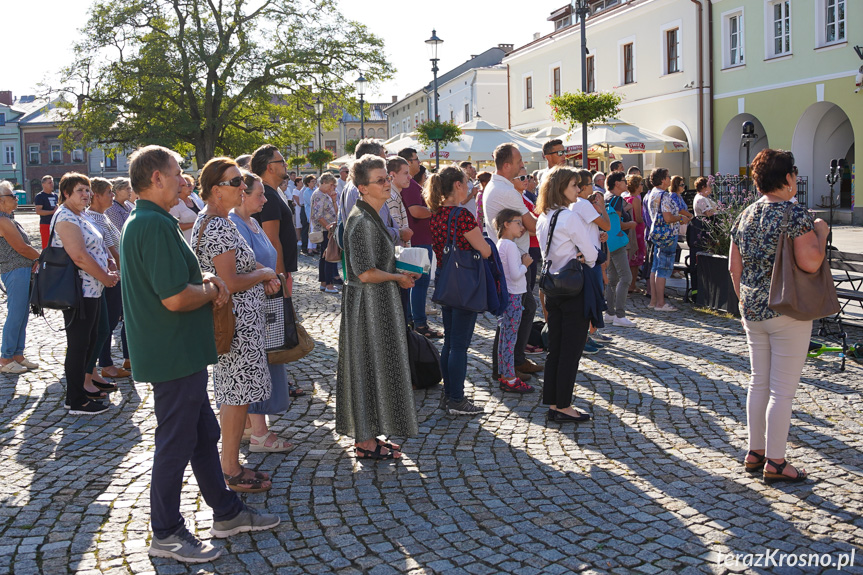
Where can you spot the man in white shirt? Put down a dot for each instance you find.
(344, 171)
(500, 193)
(554, 156)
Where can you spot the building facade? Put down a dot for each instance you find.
(789, 67)
(652, 52)
(479, 91)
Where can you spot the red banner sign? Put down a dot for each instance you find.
(443, 154)
(636, 146)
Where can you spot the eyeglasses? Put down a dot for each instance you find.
(794, 170)
(278, 162)
(382, 181)
(522, 178)
(417, 160)
(559, 153)
(7, 195)
(233, 182)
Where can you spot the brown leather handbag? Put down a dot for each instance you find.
(796, 293)
(224, 321)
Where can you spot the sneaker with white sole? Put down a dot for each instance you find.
(463, 407)
(13, 367)
(623, 322)
(184, 547)
(246, 520)
(607, 318)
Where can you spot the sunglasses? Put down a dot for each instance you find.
(7, 195)
(559, 153)
(522, 178)
(233, 182)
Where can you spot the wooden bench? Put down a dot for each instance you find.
(847, 269)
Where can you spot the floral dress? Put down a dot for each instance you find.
(241, 376)
(756, 234)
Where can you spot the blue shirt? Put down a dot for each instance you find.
(307, 202)
(265, 253)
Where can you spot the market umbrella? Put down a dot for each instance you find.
(618, 137)
(547, 133)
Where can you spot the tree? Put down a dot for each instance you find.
(351, 146)
(580, 108)
(320, 158)
(213, 76)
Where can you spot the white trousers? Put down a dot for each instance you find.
(777, 352)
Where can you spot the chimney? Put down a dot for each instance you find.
(6, 97)
(536, 36)
(395, 99)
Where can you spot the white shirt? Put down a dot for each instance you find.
(588, 215)
(702, 204)
(340, 185)
(185, 215)
(513, 269)
(500, 194)
(196, 199)
(471, 204)
(570, 237)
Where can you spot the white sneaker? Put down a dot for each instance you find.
(608, 318)
(13, 367)
(623, 322)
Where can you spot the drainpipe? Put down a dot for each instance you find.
(508, 101)
(700, 87)
(710, 80)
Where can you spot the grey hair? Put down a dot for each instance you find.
(326, 178)
(120, 183)
(369, 146)
(362, 168)
(6, 185)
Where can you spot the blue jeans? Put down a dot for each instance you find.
(458, 327)
(17, 284)
(418, 294)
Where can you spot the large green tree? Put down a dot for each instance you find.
(214, 76)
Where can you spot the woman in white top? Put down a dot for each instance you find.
(78, 235)
(567, 324)
(703, 204)
(184, 211)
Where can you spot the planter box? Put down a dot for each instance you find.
(715, 290)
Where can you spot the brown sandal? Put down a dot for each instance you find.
(242, 484)
(773, 477)
(754, 466)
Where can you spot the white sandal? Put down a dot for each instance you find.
(258, 444)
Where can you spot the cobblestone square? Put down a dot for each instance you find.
(653, 484)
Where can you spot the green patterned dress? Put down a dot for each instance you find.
(373, 386)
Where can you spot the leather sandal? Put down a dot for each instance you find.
(242, 484)
(258, 444)
(753, 466)
(388, 445)
(773, 477)
(375, 455)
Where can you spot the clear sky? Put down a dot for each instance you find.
(34, 51)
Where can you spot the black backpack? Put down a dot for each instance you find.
(425, 361)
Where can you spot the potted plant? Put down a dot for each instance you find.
(296, 161)
(433, 131)
(715, 290)
(320, 158)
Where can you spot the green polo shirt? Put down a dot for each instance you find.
(155, 264)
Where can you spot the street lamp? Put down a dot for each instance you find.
(582, 10)
(746, 138)
(319, 110)
(432, 44)
(102, 166)
(360, 83)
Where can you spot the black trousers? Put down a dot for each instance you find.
(304, 231)
(80, 347)
(567, 334)
(115, 312)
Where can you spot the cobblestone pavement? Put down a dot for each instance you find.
(653, 484)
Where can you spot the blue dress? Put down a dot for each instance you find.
(266, 255)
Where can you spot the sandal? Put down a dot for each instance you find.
(376, 454)
(96, 395)
(388, 445)
(242, 484)
(258, 444)
(773, 477)
(109, 387)
(295, 390)
(753, 466)
(428, 332)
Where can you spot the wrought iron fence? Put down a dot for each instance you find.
(729, 188)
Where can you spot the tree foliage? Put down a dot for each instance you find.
(214, 76)
(584, 108)
(433, 131)
(297, 162)
(320, 158)
(351, 146)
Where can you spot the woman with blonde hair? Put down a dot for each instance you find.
(567, 322)
(241, 376)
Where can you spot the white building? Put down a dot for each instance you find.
(646, 50)
(478, 91)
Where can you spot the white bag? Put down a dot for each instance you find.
(414, 260)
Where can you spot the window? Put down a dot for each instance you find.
(34, 157)
(451, 115)
(110, 163)
(628, 64)
(835, 18)
(330, 145)
(528, 92)
(555, 81)
(562, 22)
(467, 112)
(672, 51)
(78, 155)
(56, 154)
(734, 40)
(9, 154)
(422, 117)
(2, 118)
(780, 35)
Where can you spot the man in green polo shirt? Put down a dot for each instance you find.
(169, 327)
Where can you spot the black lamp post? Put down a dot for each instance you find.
(319, 110)
(582, 10)
(360, 83)
(433, 44)
(746, 138)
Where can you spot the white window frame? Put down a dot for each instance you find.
(9, 154)
(109, 161)
(770, 30)
(621, 63)
(551, 68)
(422, 116)
(59, 149)
(467, 111)
(78, 155)
(821, 21)
(726, 38)
(31, 149)
(524, 98)
(678, 24)
(591, 78)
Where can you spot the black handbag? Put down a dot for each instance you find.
(460, 283)
(568, 281)
(56, 283)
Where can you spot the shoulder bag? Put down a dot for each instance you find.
(281, 323)
(224, 322)
(661, 233)
(305, 343)
(56, 283)
(460, 284)
(568, 281)
(796, 293)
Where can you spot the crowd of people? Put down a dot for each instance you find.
(164, 252)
